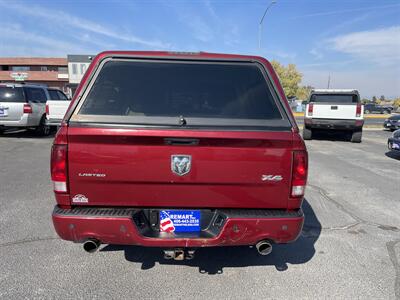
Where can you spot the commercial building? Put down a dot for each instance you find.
(52, 72)
(77, 66)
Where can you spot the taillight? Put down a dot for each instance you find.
(299, 173)
(27, 109)
(47, 109)
(358, 110)
(310, 109)
(59, 162)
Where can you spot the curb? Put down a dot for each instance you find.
(369, 127)
(296, 114)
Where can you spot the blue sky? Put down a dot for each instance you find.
(356, 42)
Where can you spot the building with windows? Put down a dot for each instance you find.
(77, 66)
(52, 72)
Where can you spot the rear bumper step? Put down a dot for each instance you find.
(136, 226)
(340, 124)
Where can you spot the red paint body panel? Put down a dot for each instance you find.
(226, 168)
(226, 172)
(234, 233)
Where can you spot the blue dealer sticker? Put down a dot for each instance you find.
(179, 220)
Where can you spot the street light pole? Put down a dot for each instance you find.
(261, 21)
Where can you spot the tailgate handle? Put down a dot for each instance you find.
(334, 107)
(181, 142)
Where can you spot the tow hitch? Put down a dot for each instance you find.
(178, 254)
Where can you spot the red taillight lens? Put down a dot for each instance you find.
(310, 109)
(358, 110)
(47, 109)
(299, 173)
(27, 109)
(59, 172)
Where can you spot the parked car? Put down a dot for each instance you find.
(374, 108)
(392, 122)
(23, 106)
(333, 109)
(179, 151)
(56, 107)
(394, 141)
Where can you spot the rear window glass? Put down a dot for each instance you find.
(53, 95)
(61, 95)
(36, 95)
(334, 98)
(10, 94)
(190, 90)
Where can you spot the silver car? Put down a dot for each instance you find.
(23, 106)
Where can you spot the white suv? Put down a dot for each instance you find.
(23, 106)
(331, 109)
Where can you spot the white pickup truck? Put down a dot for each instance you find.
(56, 107)
(333, 109)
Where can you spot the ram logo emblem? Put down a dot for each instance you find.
(180, 164)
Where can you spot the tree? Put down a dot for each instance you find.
(365, 101)
(382, 98)
(303, 92)
(396, 102)
(289, 76)
(374, 99)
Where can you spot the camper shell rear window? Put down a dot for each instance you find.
(190, 93)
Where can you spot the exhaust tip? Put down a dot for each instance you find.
(91, 246)
(264, 247)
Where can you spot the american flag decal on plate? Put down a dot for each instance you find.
(166, 224)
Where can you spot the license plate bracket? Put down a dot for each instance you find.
(180, 220)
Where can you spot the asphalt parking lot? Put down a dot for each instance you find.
(349, 248)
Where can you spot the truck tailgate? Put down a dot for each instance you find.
(334, 111)
(129, 167)
(57, 108)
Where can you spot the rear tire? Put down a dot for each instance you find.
(43, 129)
(307, 133)
(356, 136)
(386, 112)
(367, 111)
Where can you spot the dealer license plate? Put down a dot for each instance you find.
(179, 220)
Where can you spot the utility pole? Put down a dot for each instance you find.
(329, 81)
(261, 21)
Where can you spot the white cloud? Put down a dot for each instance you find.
(17, 39)
(380, 46)
(211, 10)
(201, 30)
(344, 11)
(316, 53)
(67, 20)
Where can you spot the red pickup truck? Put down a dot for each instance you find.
(179, 151)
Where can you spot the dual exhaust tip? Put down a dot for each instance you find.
(91, 245)
(263, 247)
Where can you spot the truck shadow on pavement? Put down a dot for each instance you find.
(214, 259)
(337, 136)
(393, 154)
(23, 133)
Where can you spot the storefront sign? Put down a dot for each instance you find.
(19, 76)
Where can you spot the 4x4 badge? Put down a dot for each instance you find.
(180, 164)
